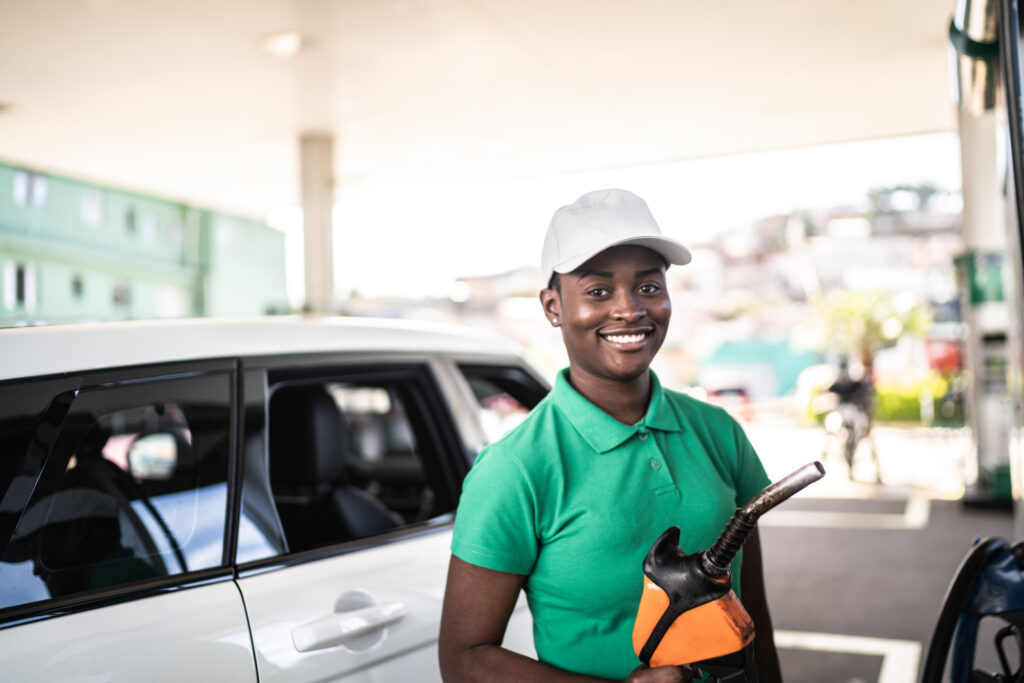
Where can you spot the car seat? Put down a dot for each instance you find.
(310, 443)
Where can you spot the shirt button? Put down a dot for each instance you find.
(655, 465)
(644, 435)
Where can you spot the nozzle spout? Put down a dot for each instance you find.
(783, 489)
(717, 559)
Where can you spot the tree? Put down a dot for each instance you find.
(858, 323)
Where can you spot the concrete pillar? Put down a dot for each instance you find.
(317, 180)
(983, 166)
(985, 309)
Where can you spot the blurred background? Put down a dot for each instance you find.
(838, 170)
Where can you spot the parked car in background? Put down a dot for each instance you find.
(265, 500)
(734, 399)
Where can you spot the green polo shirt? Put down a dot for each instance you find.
(573, 499)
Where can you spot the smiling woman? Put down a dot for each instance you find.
(567, 504)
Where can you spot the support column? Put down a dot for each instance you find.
(317, 182)
(974, 42)
(985, 309)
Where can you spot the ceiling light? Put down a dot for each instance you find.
(284, 43)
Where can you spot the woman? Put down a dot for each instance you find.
(567, 505)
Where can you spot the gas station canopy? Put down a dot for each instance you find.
(206, 101)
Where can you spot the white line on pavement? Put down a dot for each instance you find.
(918, 512)
(914, 516)
(900, 658)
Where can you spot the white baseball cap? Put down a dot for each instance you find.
(600, 220)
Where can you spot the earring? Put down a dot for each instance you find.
(554, 321)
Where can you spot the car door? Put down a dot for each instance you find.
(114, 518)
(501, 391)
(361, 464)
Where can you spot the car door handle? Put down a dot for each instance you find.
(336, 629)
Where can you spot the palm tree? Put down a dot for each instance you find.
(857, 323)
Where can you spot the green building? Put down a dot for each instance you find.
(72, 251)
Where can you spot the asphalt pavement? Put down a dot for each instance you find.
(856, 569)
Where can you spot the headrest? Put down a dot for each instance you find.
(309, 437)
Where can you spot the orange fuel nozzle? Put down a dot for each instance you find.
(688, 612)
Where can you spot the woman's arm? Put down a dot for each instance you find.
(477, 605)
(756, 604)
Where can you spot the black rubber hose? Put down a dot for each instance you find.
(715, 561)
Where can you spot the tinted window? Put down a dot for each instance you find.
(353, 457)
(111, 485)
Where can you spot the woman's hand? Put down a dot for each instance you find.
(661, 674)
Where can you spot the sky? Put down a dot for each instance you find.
(416, 241)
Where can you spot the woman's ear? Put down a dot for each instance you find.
(551, 302)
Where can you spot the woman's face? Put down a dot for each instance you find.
(613, 311)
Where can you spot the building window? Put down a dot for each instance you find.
(21, 184)
(30, 188)
(77, 287)
(30, 288)
(122, 296)
(19, 286)
(40, 188)
(149, 228)
(129, 220)
(223, 234)
(91, 209)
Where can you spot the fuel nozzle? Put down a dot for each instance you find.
(688, 612)
(717, 558)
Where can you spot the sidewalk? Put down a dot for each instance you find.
(925, 461)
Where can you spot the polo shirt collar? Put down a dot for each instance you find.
(599, 429)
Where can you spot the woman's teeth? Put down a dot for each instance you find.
(625, 338)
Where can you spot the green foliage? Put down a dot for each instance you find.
(859, 322)
(901, 401)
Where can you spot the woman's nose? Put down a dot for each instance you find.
(628, 307)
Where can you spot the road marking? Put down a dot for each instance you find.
(918, 512)
(915, 516)
(900, 658)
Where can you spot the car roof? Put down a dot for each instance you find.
(47, 350)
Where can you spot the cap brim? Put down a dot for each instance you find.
(673, 252)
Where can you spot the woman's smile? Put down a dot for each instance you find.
(627, 341)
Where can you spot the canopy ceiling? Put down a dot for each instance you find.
(181, 99)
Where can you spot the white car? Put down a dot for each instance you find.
(263, 500)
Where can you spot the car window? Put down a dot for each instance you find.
(111, 485)
(504, 396)
(352, 457)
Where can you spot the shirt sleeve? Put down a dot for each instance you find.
(750, 476)
(495, 525)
